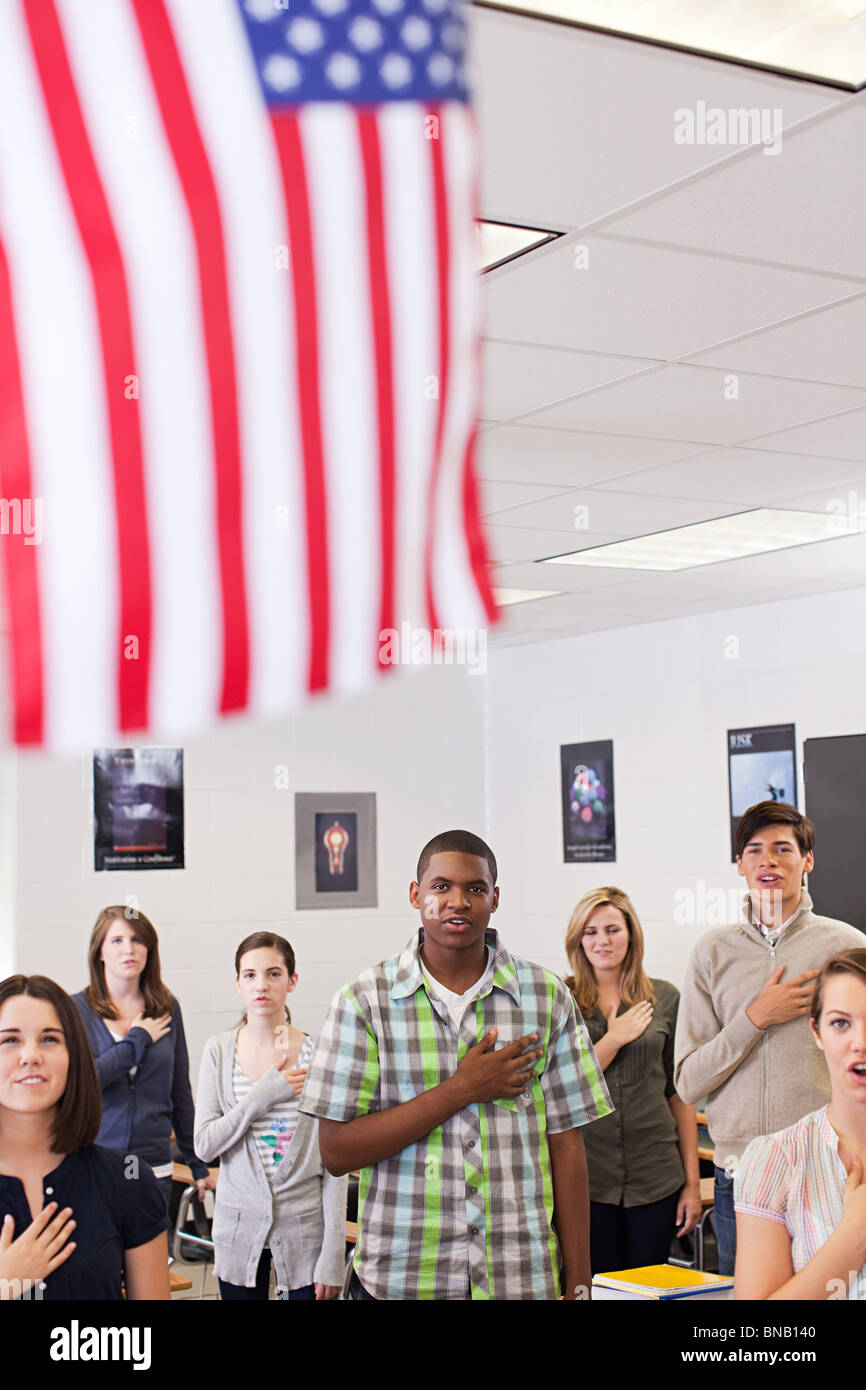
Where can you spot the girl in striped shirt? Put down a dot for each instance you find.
(800, 1194)
(275, 1204)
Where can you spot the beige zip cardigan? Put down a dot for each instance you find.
(757, 1080)
(302, 1219)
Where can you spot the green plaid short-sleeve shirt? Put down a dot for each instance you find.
(467, 1211)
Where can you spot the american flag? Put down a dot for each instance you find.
(238, 353)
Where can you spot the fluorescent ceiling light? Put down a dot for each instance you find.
(823, 39)
(503, 597)
(709, 542)
(499, 242)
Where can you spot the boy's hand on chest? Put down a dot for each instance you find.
(488, 1073)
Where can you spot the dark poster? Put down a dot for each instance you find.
(588, 821)
(138, 808)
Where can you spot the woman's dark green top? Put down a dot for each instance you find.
(633, 1155)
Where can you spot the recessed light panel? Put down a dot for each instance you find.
(499, 242)
(823, 39)
(710, 542)
(503, 597)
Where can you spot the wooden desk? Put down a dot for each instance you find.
(178, 1283)
(184, 1174)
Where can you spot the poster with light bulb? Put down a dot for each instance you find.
(335, 849)
(588, 820)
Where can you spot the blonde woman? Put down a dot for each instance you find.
(644, 1177)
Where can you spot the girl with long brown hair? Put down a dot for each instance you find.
(644, 1177)
(275, 1204)
(135, 1030)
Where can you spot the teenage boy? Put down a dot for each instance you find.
(743, 1035)
(456, 1077)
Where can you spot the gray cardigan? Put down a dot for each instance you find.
(303, 1219)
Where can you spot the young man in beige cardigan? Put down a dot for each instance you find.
(743, 1030)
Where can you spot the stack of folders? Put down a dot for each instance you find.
(661, 1282)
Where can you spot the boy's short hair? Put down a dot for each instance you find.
(765, 813)
(456, 842)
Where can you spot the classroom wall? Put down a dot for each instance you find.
(666, 693)
(442, 748)
(8, 859)
(416, 740)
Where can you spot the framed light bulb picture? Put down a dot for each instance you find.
(335, 849)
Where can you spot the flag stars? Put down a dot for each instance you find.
(281, 72)
(365, 33)
(416, 32)
(388, 6)
(262, 10)
(395, 70)
(440, 69)
(330, 7)
(452, 35)
(434, 6)
(305, 34)
(343, 70)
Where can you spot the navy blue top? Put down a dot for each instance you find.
(139, 1112)
(117, 1204)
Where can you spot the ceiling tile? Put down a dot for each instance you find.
(748, 477)
(589, 517)
(699, 403)
(644, 301)
(510, 543)
(841, 437)
(593, 127)
(520, 376)
(827, 346)
(497, 497)
(765, 205)
(521, 453)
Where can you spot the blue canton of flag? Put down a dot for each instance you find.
(361, 51)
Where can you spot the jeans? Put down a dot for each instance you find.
(630, 1237)
(239, 1293)
(725, 1221)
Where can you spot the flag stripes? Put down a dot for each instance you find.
(239, 368)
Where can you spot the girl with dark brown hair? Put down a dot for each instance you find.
(135, 1029)
(275, 1204)
(75, 1220)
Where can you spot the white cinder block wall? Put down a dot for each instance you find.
(665, 693)
(415, 740)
